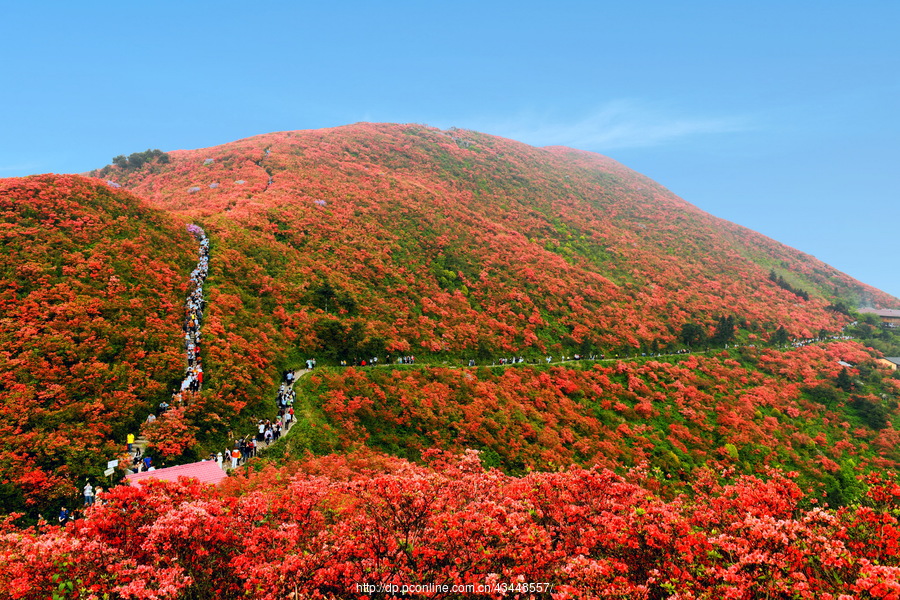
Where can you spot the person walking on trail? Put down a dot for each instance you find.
(130, 441)
(235, 456)
(88, 494)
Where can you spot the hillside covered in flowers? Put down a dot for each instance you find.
(408, 239)
(369, 526)
(533, 365)
(744, 411)
(89, 336)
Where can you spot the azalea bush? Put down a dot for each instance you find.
(326, 527)
(91, 287)
(746, 409)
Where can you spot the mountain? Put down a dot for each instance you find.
(726, 429)
(377, 240)
(360, 241)
(462, 243)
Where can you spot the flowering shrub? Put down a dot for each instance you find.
(325, 528)
(91, 285)
(742, 410)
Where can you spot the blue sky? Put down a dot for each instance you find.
(780, 116)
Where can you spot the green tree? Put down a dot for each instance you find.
(843, 381)
(342, 340)
(839, 306)
(692, 334)
(780, 337)
(724, 332)
(824, 393)
(323, 296)
(136, 160)
(873, 414)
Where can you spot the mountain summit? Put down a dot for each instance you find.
(456, 241)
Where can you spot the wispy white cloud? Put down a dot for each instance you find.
(615, 125)
(18, 168)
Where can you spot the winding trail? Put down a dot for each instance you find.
(193, 379)
(268, 170)
(287, 426)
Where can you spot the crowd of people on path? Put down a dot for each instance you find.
(91, 494)
(373, 361)
(807, 342)
(193, 321)
(244, 448)
(514, 360)
(141, 463)
(267, 430)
